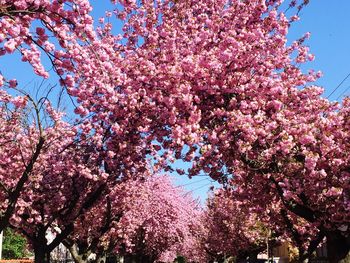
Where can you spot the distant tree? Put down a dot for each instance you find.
(144, 220)
(231, 230)
(14, 245)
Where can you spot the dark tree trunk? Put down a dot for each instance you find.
(41, 255)
(137, 259)
(338, 246)
(41, 251)
(130, 259)
(253, 257)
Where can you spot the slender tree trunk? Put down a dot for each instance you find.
(338, 246)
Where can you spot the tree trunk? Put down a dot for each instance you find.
(41, 255)
(346, 259)
(137, 259)
(78, 258)
(41, 251)
(120, 259)
(253, 257)
(130, 259)
(338, 246)
(101, 258)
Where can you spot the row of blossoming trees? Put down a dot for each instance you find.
(54, 189)
(212, 83)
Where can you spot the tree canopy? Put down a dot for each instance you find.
(211, 83)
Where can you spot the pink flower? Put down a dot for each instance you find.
(81, 111)
(311, 57)
(307, 139)
(40, 31)
(13, 83)
(310, 163)
(10, 45)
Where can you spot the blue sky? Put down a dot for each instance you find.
(329, 24)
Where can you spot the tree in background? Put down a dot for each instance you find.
(163, 225)
(144, 220)
(232, 230)
(235, 228)
(14, 245)
(21, 145)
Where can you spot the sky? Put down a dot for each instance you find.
(329, 25)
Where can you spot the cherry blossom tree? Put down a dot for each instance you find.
(244, 230)
(209, 82)
(166, 222)
(240, 102)
(40, 154)
(70, 183)
(146, 220)
(23, 140)
(232, 229)
(57, 25)
(66, 169)
(73, 174)
(302, 161)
